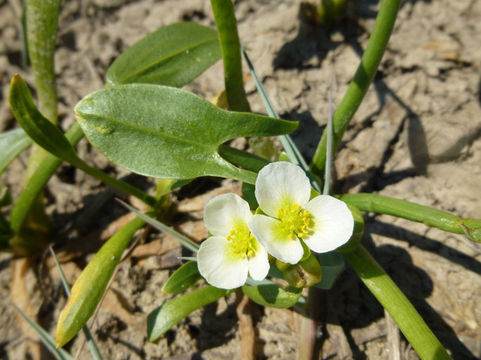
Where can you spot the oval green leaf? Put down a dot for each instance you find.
(42, 131)
(165, 132)
(91, 284)
(172, 311)
(183, 278)
(12, 143)
(173, 55)
(272, 295)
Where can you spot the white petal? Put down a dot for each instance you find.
(280, 183)
(333, 224)
(222, 212)
(266, 231)
(218, 266)
(259, 264)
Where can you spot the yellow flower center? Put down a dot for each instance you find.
(294, 221)
(242, 242)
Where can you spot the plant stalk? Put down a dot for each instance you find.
(37, 182)
(42, 21)
(424, 214)
(362, 79)
(231, 54)
(395, 302)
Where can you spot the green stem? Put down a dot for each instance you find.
(231, 54)
(42, 20)
(242, 158)
(395, 302)
(37, 181)
(407, 210)
(48, 166)
(362, 79)
(115, 183)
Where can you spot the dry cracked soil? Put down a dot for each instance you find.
(416, 136)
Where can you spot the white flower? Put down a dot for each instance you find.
(283, 191)
(226, 258)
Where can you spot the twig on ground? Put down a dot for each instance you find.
(393, 337)
(246, 326)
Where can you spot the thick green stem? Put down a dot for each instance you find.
(395, 302)
(362, 79)
(48, 166)
(42, 20)
(414, 212)
(231, 54)
(242, 158)
(36, 183)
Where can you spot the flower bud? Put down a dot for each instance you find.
(306, 273)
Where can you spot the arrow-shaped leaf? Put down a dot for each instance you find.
(166, 132)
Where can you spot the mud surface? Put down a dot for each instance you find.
(416, 137)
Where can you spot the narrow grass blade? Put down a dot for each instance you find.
(94, 350)
(46, 339)
(290, 147)
(327, 173)
(185, 241)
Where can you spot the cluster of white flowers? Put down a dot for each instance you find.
(241, 241)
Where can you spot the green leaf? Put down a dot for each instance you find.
(272, 295)
(332, 265)
(172, 311)
(183, 278)
(12, 143)
(173, 55)
(94, 351)
(165, 132)
(91, 284)
(40, 129)
(46, 339)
